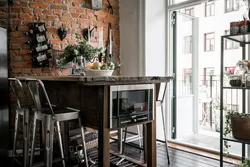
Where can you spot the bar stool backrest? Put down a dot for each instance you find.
(13, 85)
(162, 91)
(34, 86)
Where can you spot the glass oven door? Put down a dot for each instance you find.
(130, 104)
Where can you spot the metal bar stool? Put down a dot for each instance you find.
(50, 117)
(159, 102)
(20, 111)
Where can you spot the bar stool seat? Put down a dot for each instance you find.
(51, 115)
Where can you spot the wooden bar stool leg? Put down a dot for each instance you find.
(33, 140)
(60, 141)
(83, 143)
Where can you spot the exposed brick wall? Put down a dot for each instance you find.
(75, 13)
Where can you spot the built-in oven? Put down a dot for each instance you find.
(131, 104)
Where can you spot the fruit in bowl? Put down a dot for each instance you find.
(100, 69)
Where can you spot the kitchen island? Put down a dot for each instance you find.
(92, 96)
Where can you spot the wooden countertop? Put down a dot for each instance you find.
(112, 80)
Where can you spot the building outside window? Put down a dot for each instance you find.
(190, 12)
(209, 42)
(188, 44)
(229, 44)
(231, 5)
(209, 9)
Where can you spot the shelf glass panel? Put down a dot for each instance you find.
(242, 38)
(228, 138)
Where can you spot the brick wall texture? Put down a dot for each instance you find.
(76, 14)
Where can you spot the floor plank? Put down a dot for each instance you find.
(178, 158)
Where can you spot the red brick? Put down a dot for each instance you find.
(74, 25)
(25, 16)
(18, 40)
(58, 2)
(57, 12)
(27, 10)
(37, 70)
(58, 7)
(73, 9)
(48, 1)
(38, 11)
(16, 70)
(84, 16)
(24, 52)
(16, 34)
(100, 13)
(22, 4)
(3, 15)
(13, 16)
(67, 19)
(42, 18)
(39, 5)
(71, 41)
(75, 15)
(66, 14)
(3, 9)
(23, 64)
(26, 70)
(15, 46)
(76, 4)
(47, 12)
(52, 30)
(57, 47)
(15, 10)
(16, 58)
(81, 10)
(89, 12)
(52, 18)
(26, 57)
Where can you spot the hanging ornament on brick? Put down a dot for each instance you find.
(96, 4)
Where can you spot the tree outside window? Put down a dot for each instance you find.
(188, 44)
(209, 9)
(209, 41)
(229, 44)
(231, 5)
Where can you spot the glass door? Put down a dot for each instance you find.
(185, 68)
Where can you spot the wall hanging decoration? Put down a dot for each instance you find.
(39, 45)
(110, 8)
(62, 32)
(96, 4)
(87, 32)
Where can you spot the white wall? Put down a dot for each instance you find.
(129, 30)
(155, 56)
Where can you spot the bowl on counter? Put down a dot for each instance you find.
(105, 73)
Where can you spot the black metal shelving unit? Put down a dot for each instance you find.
(243, 39)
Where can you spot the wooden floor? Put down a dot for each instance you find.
(178, 158)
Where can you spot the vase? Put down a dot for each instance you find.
(78, 65)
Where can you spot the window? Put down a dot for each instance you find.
(232, 5)
(229, 44)
(188, 44)
(209, 42)
(190, 12)
(209, 9)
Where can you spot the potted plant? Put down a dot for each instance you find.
(82, 49)
(216, 113)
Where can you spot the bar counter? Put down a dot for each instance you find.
(91, 96)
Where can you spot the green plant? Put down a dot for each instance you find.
(246, 163)
(228, 125)
(80, 49)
